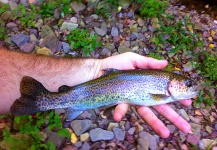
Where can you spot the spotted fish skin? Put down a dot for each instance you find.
(138, 87)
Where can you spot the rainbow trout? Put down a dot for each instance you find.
(137, 87)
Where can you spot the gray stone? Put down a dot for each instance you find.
(105, 51)
(34, 31)
(78, 144)
(59, 111)
(123, 49)
(114, 31)
(47, 31)
(142, 144)
(125, 3)
(184, 114)
(195, 128)
(100, 31)
(127, 44)
(130, 14)
(68, 26)
(20, 39)
(80, 126)
(172, 128)
(39, 23)
(133, 37)
(27, 47)
(66, 47)
(131, 130)
(74, 20)
(151, 140)
(11, 25)
(85, 146)
(188, 67)
(216, 126)
(53, 137)
(99, 134)
(141, 22)
(57, 13)
(7, 15)
(205, 143)
(77, 6)
(119, 133)
(12, 5)
(116, 39)
(52, 43)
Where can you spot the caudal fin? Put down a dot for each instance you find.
(27, 103)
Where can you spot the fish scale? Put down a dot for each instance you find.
(137, 87)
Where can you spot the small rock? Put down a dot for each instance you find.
(80, 126)
(124, 3)
(78, 144)
(66, 47)
(195, 119)
(7, 15)
(24, 2)
(44, 51)
(209, 129)
(193, 139)
(195, 128)
(133, 37)
(151, 28)
(184, 114)
(141, 22)
(151, 140)
(68, 26)
(74, 138)
(130, 14)
(53, 137)
(99, 134)
(11, 25)
(216, 126)
(74, 20)
(84, 137)
(116, 39)
(142, 144)
(123, 49)
(57, 13)
(112, 125)
(155, 23)
(132, 130)
(27, 47)
(172, 128)
(39, 23)
(127, 44)
(51, 42)
(99, 31)
(77, 6)
(47, 31)
(4, 1)
(134, 28)
(205, 143)
(12, 5)
(188, 67)
(85, 146)
(94, 16)
(105, 51)
(119, 133)
(20, 39)
(114, 31)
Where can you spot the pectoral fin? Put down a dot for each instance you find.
(72, 113)
(159, 97)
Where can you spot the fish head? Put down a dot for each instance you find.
(183, 88)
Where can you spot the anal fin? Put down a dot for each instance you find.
(159, 97)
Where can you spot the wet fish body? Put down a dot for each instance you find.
(138, 87)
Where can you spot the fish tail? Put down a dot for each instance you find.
(27, 103)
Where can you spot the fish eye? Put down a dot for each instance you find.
(188, 83)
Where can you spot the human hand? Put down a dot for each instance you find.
(134, 61)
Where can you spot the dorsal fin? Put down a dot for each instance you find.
(108, 71)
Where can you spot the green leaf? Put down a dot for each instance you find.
(64, 132)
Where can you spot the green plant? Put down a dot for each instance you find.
(152, 8)
(3, 7)
(26, 15)
(3, 34)
(178, 36)
(104, 8)
(82, 39)
(155, 55)
(29, 132)
(47, 7)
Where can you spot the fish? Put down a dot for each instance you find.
(140, 87)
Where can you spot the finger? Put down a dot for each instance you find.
(173, 117)
(147, 62)
(186, 102)
(148, 116)
(120, 111)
